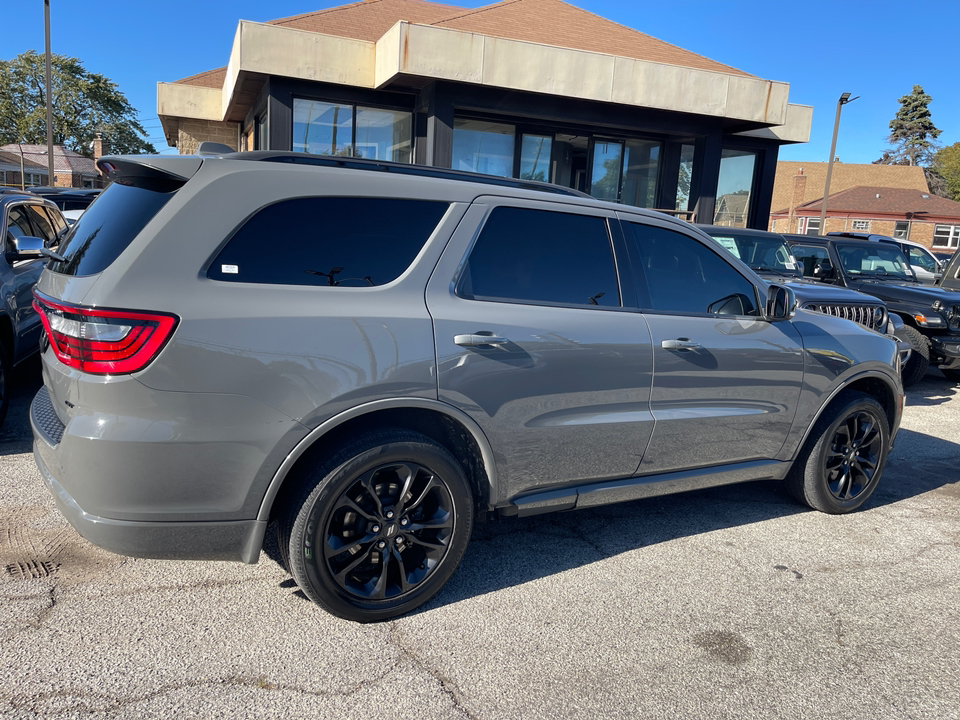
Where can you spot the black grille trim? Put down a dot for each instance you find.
(871, 316)
(45, 419)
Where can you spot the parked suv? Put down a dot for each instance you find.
(925, 265)
(29, 227)
(371, 354)
(769, 255)
(931, 315)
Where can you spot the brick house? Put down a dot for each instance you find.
(25, 165)
(536, 89)
(910, 214)
(797, 183)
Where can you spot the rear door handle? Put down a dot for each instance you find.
(679, 344)
(474, 340)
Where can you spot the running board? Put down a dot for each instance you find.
(635, 488)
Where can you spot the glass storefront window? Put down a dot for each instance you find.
(685, 177)
(641, 168)
(483, 147)
(605, 176)
(322, 128)
(734, 187)
(535, 157)
(384, 134)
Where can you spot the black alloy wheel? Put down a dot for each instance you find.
(852, 459)
(842, 460)
(379, 528)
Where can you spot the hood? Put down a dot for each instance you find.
(908, 292)
(813, 291)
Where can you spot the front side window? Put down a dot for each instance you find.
(763, 254)
(678, 274)
(921, 258)
(328, 241)
(542, 257)
(809, 256)
(18, 225)
(483, 147)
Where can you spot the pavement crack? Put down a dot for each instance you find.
(447, 686)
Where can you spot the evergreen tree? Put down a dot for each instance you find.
(912, 132)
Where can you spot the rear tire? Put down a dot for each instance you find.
(919, 361)
(378, 529)
(842, 460)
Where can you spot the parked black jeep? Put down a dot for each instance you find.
(931, 315)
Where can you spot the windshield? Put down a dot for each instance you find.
(874, 260)
(764, 254)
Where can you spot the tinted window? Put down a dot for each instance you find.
(542, 257)
(56, 219)
(682, 275)
(17, 225)
(332, 241)
(808, 256)
(42, 224)
(107, 228)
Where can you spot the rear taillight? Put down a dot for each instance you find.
(103, 342)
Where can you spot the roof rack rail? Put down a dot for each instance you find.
(401, 169)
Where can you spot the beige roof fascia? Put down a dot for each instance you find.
(795, 130)
(445, 54)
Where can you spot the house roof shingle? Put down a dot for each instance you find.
(887, 201)
(547, 22)
(64, 160)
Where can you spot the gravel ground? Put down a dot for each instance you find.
(727, 603)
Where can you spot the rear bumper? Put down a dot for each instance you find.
(237, 540)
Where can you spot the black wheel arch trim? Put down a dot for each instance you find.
(468, 423)
(896, 393)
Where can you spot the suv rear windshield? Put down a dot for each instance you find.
(106, 228)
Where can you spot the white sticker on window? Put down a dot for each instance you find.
(229, 269)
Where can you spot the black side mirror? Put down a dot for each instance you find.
(781, 303)
(823, 270)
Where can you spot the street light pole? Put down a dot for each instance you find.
(844, 99)
(46, 22)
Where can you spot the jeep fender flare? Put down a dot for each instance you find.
(468, 423)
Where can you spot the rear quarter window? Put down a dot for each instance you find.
(328, 241)
(106, 228)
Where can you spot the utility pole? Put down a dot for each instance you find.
(46, 21)
(844, 99)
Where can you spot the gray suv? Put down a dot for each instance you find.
(370, 356)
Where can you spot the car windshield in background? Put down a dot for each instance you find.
(761, 254)
(875, 260)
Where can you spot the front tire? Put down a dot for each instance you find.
(919, 361)
(379, 529)
(842, 460)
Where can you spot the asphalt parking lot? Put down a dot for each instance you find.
(728, 603)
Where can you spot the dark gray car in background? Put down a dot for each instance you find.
(371, 355)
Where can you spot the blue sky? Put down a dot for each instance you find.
(876, 49)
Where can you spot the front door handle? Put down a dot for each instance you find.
(476, 339)
(679, 344)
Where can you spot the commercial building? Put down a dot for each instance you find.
(535, 89)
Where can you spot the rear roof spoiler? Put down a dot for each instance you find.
(153, 172)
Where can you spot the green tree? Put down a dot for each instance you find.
(946, 163)
(912, 132)
(84, 103)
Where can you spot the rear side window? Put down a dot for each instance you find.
(328, 241)
(542, 257)
(106, 228)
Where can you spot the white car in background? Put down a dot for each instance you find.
(71, 216)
